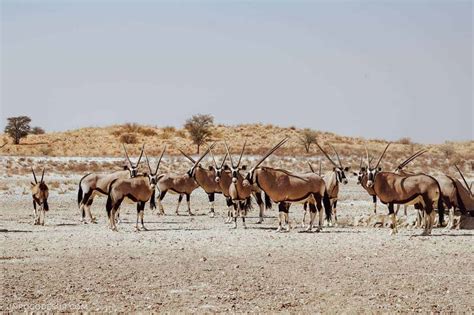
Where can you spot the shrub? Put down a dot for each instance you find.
(37, 131)
(405, 140)
(128, 138)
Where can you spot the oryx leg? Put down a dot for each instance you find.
(114, 213)
(35, 214)
(161, 210)
(188, 201)
(230, 205)
(180, 198)
(87, 210)
(140, 214)
(261, 206)
(281, 215)
(287, 216)
(319, 208)
(211, 197)
(374, 200)
(305, 210)
(42, 214)
(450, 224)
(391, 212)
(405, 210)
(243, 209)
(334, 211)
(312, 212)
(236, 213)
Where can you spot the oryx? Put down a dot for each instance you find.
(421, 190)
(94, 184)
(40, 193)
(205, 177)
(139, 189)
(285, 188)
(182, 184)
(332, 180)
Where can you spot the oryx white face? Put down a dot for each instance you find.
(218, 171)
(133, 170)
(371, 173)
(360, 175)
(153, 178)
(341, 175)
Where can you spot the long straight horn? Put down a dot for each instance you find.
(159, 160)
(187, 156)
(148, 163)
(241, 153)
(42, 176)
(126, 154)
(327, 156)
(311, 167)
(202, 156)
(361, 159)
(337, 155)
(320, 167)
(223, 161)
(34, 175)
(213, 158)
(276, 147)
(230, 155)
(464, 179)
(383, 153)
(141, 154)
(411, 158)
(367, 154)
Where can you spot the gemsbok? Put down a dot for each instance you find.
(139, 189)
(420, 190)
(285, 188)
(224, 179)
(94, 184)
(182, 184)
(206, 180)
(40, 193)
(332, 180)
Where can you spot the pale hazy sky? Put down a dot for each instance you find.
(361, 68)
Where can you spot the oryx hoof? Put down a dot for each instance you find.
(212, 214)
(278, 229)
(190, 213)
(393, 231)
(260, 221)
(94, 220)
(137, 229)
(144, 228)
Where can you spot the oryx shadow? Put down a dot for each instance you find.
(14, 231)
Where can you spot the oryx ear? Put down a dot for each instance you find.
(210, 168)
(355, 174)
(363, 169)
(32, 184)
(379, 169)
(125, 167)
(347, 168)
(226, 167)
(334, 168)
(244, 167)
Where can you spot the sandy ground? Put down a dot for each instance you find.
(200, 264)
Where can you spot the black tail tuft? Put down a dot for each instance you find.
(45, 205)
(268, 202)
(108, 205)
(440, 209)
(79, 195)
(327, 206)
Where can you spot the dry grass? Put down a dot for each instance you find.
(106, 141)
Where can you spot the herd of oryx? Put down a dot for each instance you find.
(239, 184)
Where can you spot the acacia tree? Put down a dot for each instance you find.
(199, 128)
(307, 138)
(18, 127)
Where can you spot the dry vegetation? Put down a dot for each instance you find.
(107, 141)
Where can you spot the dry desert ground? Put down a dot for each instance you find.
(200, 264)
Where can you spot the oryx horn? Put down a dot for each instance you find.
(463, 178)
(327, 156)
(34, 175)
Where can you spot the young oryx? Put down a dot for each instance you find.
(98, 184)
(40, 193)
(332, 180)
(206, 179)
(139, 189)
(286, 188)
(421, 190)
(183, 184)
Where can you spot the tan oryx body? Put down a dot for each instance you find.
(205, 178)
(181, 184)
(420, 190)
(332, 180)
(138, 189)
(94, 184)
(40, 193)
(285, 188)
